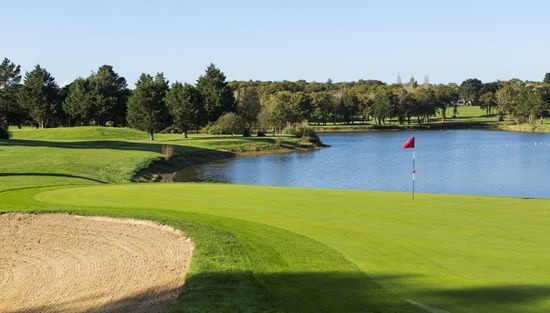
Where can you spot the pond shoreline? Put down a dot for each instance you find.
(523, 128)
(161, 170)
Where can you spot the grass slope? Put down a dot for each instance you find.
(91, 155)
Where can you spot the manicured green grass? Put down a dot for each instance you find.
(271, 249)
(457, 253)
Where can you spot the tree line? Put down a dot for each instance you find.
(216, 106)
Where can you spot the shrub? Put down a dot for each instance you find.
(211, 129)
(4, 133)
(306, 133)
(229, 124)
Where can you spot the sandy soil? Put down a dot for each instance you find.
(63, 263)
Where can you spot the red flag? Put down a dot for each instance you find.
(409, 143)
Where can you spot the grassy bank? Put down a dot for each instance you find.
(94, 155)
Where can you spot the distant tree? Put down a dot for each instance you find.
(185, 106)
(505, 99)
(40, 96)
(546, 79)
(470, 90)
(216, 93)
(424, 99)
(348, 106)
(265, 121)
(146, 107)
(10, 77)
(490, 87)
(382, 105)
(402, 103)
(322, 106)
(445, 96)
(248, 107)
(488, 102)
(365, 100)
(529, 104)
(289, 108)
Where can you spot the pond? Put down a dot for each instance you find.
(452, 161)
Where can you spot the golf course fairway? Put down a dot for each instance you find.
(315, 250)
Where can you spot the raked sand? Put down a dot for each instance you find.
(66, 263)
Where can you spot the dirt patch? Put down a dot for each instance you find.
(65, 263)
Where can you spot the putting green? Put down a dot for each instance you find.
(456, 253)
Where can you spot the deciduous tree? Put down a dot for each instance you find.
(248, 107)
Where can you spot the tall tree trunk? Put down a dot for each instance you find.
(151, 136)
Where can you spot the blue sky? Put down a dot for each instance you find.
(274, 40)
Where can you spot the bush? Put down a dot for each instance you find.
(4, 133)
(306, 133)
(228, 124)
(211, 129)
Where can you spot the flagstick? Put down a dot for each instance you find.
(414, 171)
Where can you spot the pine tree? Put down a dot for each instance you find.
(98, 99)
(146, 107)
(216, 93)
(185, 106)
(40, 96)
(9, 80)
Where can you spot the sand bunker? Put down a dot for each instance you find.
(64, 263)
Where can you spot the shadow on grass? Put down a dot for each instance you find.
(512, 298)
(53, 175)
(305, 293)
(99, 144)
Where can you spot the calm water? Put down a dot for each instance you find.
(453, 161)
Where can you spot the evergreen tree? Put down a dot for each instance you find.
(185, 106)
(146, 107)
(111, 96)
(546, 79)
(216, 93)
(10, 77)
(40, 96)
(79, 100)
(98, 99)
